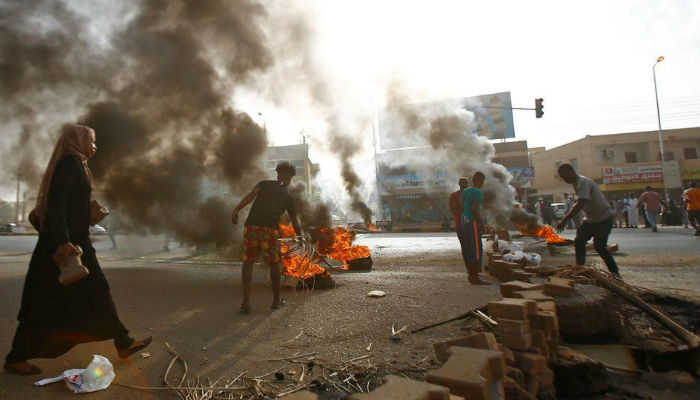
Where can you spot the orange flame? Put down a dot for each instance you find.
(336, 243)
(371, 227)
(544, 232)
(295, 265)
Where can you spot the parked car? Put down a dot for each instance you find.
(97, 230)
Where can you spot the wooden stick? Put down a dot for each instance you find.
(466, 315)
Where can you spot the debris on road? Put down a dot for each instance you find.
(376, 293)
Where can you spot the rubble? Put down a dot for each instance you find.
(472, 373)
(406, 389)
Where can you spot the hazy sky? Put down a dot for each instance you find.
(590, 61)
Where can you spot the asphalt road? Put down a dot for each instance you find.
(192, 302)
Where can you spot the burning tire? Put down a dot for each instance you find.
(360, 264)
(320, 281)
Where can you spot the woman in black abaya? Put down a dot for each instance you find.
(54, 318)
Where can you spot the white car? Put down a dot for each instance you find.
(97, 230)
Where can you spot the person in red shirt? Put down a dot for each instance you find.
(456, 209)
(651, 201)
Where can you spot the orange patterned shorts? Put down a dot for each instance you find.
(260, 240)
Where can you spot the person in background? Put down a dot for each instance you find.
(684, 209)
(692, 199)
(472, 197)
(455, 203)
(652, 202)
(618, 209)
(599, 218)
(261, 232)
(569, 200)
(548, 213)
(633, 211)
(626, 209)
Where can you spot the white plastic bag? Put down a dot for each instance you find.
(514, 256)
(97, 376)
(510, 246)
(533, 258)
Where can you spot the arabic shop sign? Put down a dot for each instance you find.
(639, 173)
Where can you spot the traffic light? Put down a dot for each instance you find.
(538, 108)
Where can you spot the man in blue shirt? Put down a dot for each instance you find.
(471, 227)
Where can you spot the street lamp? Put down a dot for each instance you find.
(264, 124)
(658, 117)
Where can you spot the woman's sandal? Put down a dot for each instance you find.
(137, 345)
(281, 304)
(33, 369)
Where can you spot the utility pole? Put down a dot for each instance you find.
(17, 176)
(658, 116)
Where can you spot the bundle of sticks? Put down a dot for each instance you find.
(303, 251)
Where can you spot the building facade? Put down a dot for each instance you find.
(298, 156)
(415, 199)
(621, 163)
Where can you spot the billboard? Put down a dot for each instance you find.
(492, 118)
(639, 173)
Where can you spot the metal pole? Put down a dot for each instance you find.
(661, 137)
(17, 203)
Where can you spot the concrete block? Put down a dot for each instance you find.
(555, 290)
(536, 295)
(538, 338)
(543, 320)
(512, 308)
(512, 326)
(508, 288)
(517, 342)
(398, 388)
(481, 340)
(472, 373)
(303, 395)
(530, 363)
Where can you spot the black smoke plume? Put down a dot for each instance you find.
(158, 94)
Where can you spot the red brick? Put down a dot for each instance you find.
(517, 342)
(532, 383)
(472, 373)
(555, 290)
(536, 295)
(561, 281)
(512, 308)
(539, 340)
(481, 340)
(508, 354)
(530, 363)
(543, 320)
(512, 326)
(508, 288)
(548, 377)
(517, 375)
(522, 276)
(303, 395)
(513, 265)
(547, 306)
(398, 388)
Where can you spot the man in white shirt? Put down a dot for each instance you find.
(599, 217)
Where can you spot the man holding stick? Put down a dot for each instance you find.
(261, 232)
(599, 217)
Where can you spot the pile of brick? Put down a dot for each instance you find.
(529, 333)
(508, 270)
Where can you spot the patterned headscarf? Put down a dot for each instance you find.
(76, 140)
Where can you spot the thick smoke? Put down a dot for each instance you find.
(158, 95)
(447, 128)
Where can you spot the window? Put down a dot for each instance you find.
(631, 156)
(690, 153)
(669, 156)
